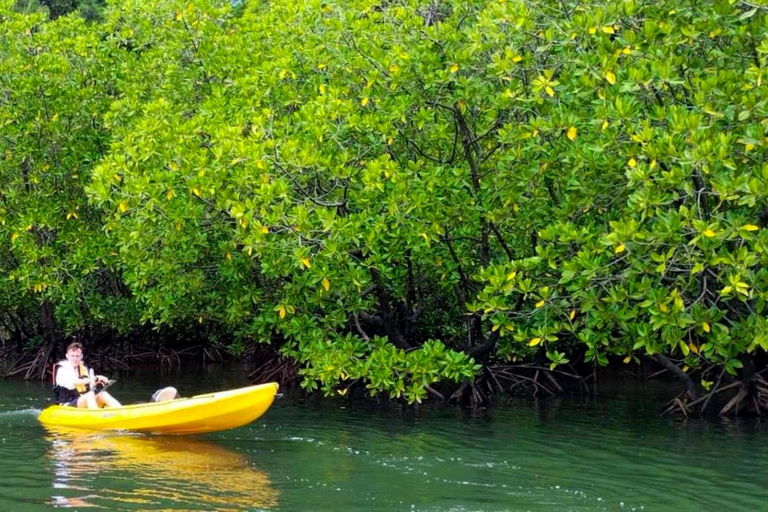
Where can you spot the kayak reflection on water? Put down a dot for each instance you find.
(107, 469)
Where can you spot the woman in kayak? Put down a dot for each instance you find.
(74, 386)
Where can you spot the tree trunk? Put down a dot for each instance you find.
(51, 335)
(690, 385)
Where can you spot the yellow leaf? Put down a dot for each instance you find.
(627, 359)
(626, 50)
(749, 147)
(709, 233)
(632, 162)
(572, 314)
(653, 164)
(305, 262)
(686, 368)
(511, 275)
(517, 58)
(282, 74)
(605, 125)
(364, 101)
(620, 249)
(572, 132)
(608, 29)
(749, 227)
(534, 342)
(264, 230)
(610, 77)
(663, 308)
(321, 66)
(282, 312)
(342, 392)
(516, 207)
(550, 91)
(229, 255)
(592, 30)
(394, 69)
(693, 348)
(540, 303)
(199, 319)
(123, 206)
(14, 236)
(326, 284)
(196, 191)
(425, 237)
(705, 326)
(170, 194)
(454, 68)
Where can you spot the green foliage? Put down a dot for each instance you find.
(55, 87)
(357, 180)
(670, 259)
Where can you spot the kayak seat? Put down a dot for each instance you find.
(165, 394)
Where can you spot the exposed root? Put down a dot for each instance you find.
(32, 363)
(212, 354)
(751, 399)
(735, 402)
(518, 378)
(272, 367)
(678, 403)
(435, 393)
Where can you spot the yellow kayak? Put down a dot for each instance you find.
(194, 415)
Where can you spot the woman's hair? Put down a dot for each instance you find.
(75, 345)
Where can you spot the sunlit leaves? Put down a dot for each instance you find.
(503, 156)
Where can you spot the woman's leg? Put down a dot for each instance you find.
(87, 400)
(104, 399)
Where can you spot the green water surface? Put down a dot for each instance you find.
(610, 452)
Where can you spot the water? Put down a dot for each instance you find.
(612, 453)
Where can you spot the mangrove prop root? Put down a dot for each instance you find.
(281, 369)
(735, 402)
(33, 362)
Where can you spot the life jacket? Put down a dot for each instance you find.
(64, 395)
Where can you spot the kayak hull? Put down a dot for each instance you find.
(194, 415)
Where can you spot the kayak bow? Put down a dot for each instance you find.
(195, 415)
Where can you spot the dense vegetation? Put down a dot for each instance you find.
(397, 193)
